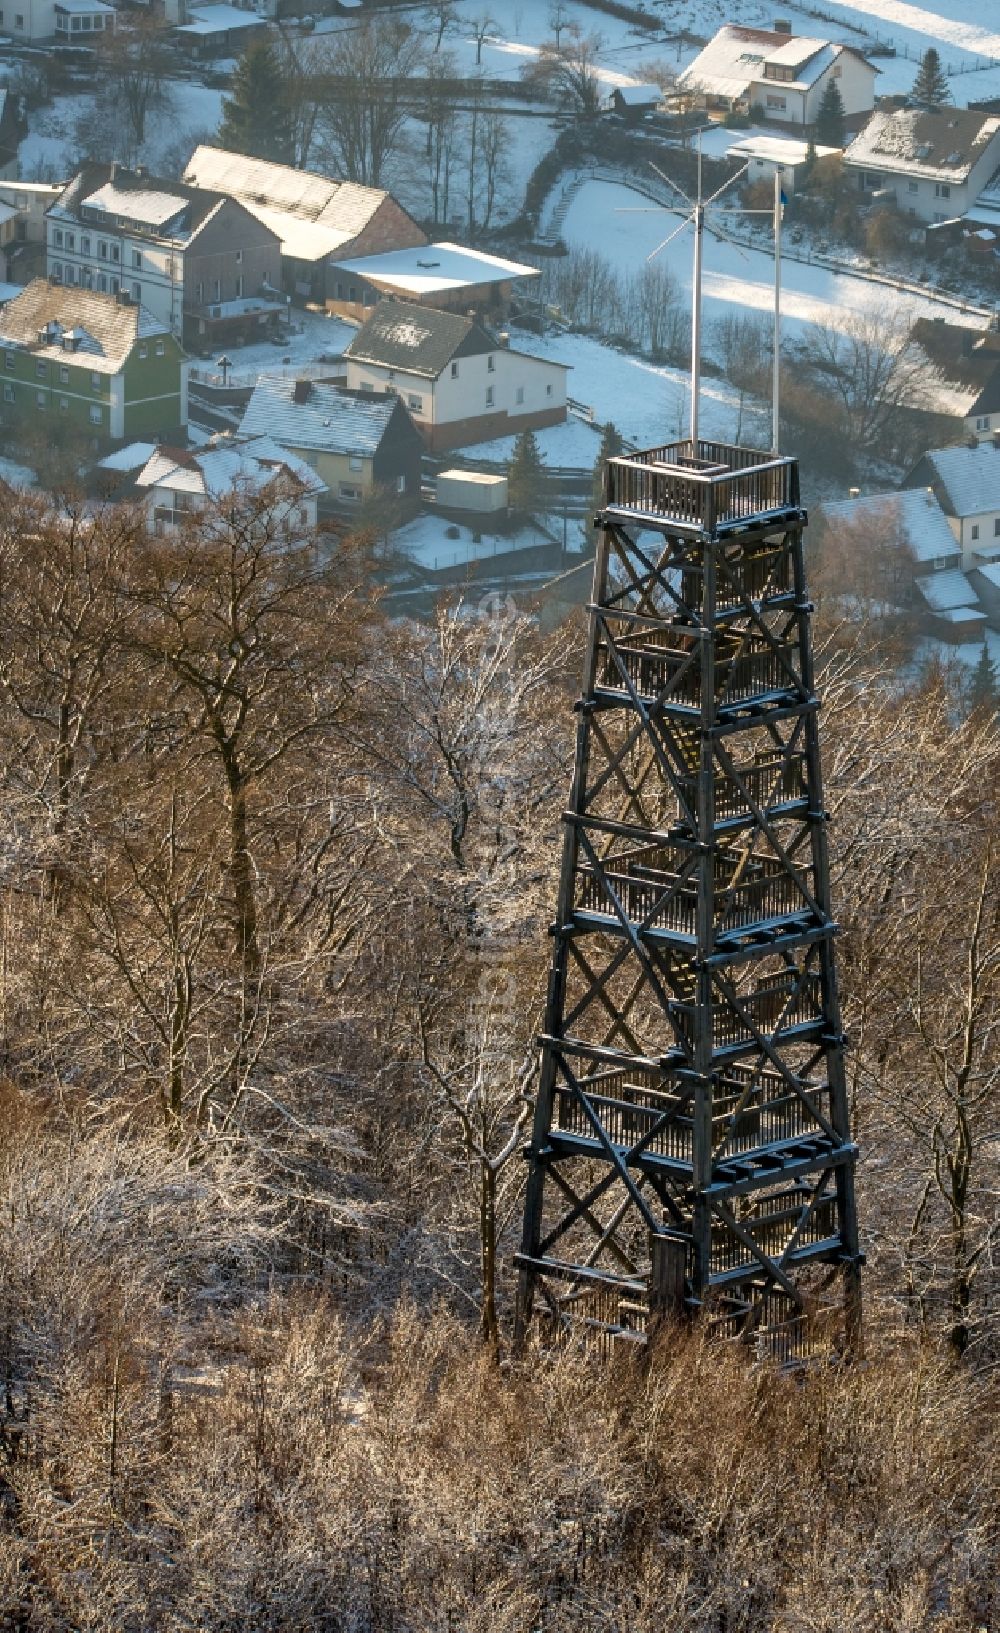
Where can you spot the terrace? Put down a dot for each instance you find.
(703, 487)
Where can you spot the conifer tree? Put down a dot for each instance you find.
(984, 694)
(931, 84)
(256, 119)
(611, 446)
(526, 477)
(830, 117)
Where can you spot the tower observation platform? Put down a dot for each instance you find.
(691, 1149)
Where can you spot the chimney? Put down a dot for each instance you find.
(301, 391)
(782, 25)
(114, 170)
(124, 297)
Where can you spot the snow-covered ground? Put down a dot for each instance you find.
(314, 337)
(626, 230)
(425, 540)
(15, 475)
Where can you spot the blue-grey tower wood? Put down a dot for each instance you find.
(691, 1148)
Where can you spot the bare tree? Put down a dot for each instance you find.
(443, 18)
(559, 18)
(134, 63)
(873, 371)
(442, 129)
(483, 23)
(571, 71)
(494, 145)
(366, 70)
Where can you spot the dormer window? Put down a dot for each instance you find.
(490, 365)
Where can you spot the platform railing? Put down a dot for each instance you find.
(705, 486)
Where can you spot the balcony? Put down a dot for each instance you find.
(704, 487)
(667, 665)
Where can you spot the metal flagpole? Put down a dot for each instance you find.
(699, 234)
(776, 386)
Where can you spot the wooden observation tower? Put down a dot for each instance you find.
(691, 1147)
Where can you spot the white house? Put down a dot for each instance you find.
(784, 73)
(932, 163)
(181, 483)
(460, 382)
(64, 21)
(966, 483)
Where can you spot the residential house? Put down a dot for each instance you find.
(788, 156)
(63, 22)
(783, 73)
(180, 484)
(966, 482)
(316, 218)
(460, 382)
(931, 163)
(94, 362)
(983, 418)
(197, 260)
(24, 245)
(914, 521)
(444, 275)
(358, 445)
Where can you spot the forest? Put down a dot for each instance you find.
(276, 875)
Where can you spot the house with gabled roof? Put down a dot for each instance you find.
(96, 363)
(315, 217)
(359, 445)
(965, 480)
(786, 74)
(460, 381)
(932, 163)
(181, 485)
(195, 259)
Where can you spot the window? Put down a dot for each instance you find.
(57, 270)
(84, 245)
(489, 396)
(42, 371)
(8, 361)
(777, 103)
(454, 371)
(8, 392)
(837, 73)
(137, 259)
(40, 400)
(136, 291)
(996, 527)
(200, 294)
(913, 186)
(983, 422)
(239, 257)
(353, 296)
(102, 282)
(116, 253)
(975, 530)
(416, 403)
(71, 240)
(519, 394)
(368, 296)
(143, 349)
(115, 285)
(239, 287)
(366, 385)
(942, 189)
(347, 491)
(357, 463)
(96, 414)
(95, 382)
(548, 391)
(63, 375)
(218, 289)
(340, 290)
(160, 348)
(401, 484)
(19, 20)
(102, 250)
(64, 405)
(490, 366)
(57, 238)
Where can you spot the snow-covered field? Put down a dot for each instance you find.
(614, 219)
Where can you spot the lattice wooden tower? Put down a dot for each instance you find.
(691, 1147)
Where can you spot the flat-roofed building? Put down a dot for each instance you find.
(447, 276)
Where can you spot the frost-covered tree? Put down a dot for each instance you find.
(931, 84)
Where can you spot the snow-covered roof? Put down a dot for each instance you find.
(218, 18)
(248, 465)
(152, 207)
(778, 149)
(734, 60)
(912, 516)
(947, 591)
(83, 8)
(129, 458)
(105, 330)
(315, 415)
(959, 615)
(638, 96)
(970, 478)
(990, 570)
(941, 144)
(7, 212)
(431, 268)
(313, 215)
